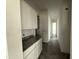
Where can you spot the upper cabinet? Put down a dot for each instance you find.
(28, 16)
(34, 18)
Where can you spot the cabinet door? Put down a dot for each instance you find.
(36, 53)
(34, 18)
(30, 56)
(26, 15)
(39, 47)
(39, 50)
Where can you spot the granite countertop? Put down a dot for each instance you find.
(30, 40)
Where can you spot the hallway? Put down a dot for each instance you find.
(51, 50)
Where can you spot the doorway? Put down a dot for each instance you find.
(54, 29)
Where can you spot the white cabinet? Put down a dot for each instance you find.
(34, 51)
(39, 47)
(34, 18)
(30, 56)
(28, 16)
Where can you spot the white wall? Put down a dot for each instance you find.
(58, 28)
(44, 25)
(65, 27)
(49, 28)
(13, 29)
(56, 10)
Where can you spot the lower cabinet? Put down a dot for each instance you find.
(35, 52)
(30, 56)
(39, 47)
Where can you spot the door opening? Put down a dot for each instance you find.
(54, 29)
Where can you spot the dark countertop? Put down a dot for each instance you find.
(30, 40)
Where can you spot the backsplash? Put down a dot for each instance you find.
(27, 32)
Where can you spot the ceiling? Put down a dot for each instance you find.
(39, 4)
(44, 4)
